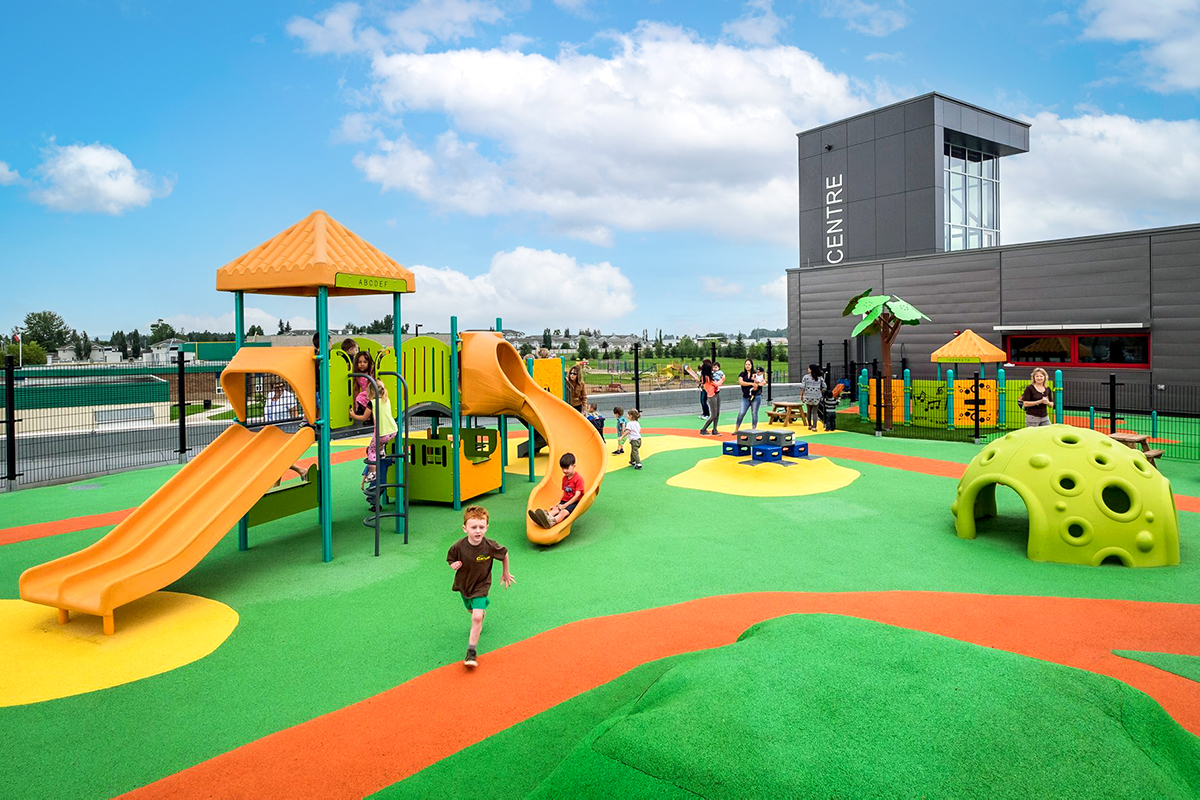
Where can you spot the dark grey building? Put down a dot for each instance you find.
(920, 218)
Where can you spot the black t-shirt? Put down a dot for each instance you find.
(749, 391)
(1031, 394)
(474, 577)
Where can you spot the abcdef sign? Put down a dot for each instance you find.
(835, 219)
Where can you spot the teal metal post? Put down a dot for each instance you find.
(325, 479)
(982, 370)
(1091, 418)
(562, 363)
(907, 397)
(529, 425)
(503, 426)
(1153, 424)
(949, 399)
(939, 366)
(864, 389)
(239, 339)
(1002, 398)
(401, 413)
(455, 422)
(1058, 395)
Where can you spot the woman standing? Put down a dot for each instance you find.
(812, 387)
(751, 396)
(577, 390)
(1036, 400)
(711, 379)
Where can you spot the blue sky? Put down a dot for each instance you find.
(569, 163)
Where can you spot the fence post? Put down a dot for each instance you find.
(714, 351)
(950, 398)
(847, 370)
(1001, 400)
(10, 424)
(903, 364)
(828, 375)
(853, 375)
(820, 351)
(1153, 422)
(975, 389)
(1112, 403)
(878, 400)
(907, 397)
(637, 378)
(1059, 412)
(770, 354)
(864, 395)
(181, 403)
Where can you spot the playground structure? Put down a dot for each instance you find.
(231, 481)
(764, 446)
(1089, 498)
(955, 402)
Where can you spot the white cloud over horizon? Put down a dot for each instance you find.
(9, 176)
(93, 178)
(873, 19)
(632, 141)
(759, 25)
(719, 286)
(1168, 30)
(1100, 173)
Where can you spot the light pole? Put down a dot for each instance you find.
(417, 329)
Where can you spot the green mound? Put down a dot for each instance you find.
(827, 706)
(1182, 665)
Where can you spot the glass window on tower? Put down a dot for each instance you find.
(972, 198)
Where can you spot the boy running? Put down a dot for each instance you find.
(572, 492)
(471, 559)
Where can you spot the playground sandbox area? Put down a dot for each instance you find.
(838, 639)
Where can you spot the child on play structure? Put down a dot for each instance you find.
(471, 559)
(633, 432)
(596, 418)
(387, 431)
(621, 422)
(572, 492)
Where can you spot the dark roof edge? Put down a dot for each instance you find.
(912, 100)
(1096, 237)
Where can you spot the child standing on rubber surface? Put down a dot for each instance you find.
(471, 559)
(621, 421)
(633, 432)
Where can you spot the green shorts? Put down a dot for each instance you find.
(473, 603)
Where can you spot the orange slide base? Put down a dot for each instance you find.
(172, 531)
(495, 382)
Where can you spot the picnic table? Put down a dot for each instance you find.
(1138, 441)
(785, 412)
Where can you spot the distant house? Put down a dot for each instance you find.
(105, 354)
(165, 351)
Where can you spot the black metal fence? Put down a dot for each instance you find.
(67, 421)
(1168, 415)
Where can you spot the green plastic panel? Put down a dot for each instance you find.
(286, 499)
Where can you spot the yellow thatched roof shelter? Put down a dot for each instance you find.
(317, 251)
(968, 347)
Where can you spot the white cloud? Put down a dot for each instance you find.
(515, 41)
(577, 7)
(355, 128)
(776, 288)
(94, 177)
(9, 176)
(424, 22)
(525, 287)
(259, 39)
(873, 19)
(1168, 29)
(759, 25)
(668, 132)
(884, 57)
(719, 286)
(1058, 18)
(1100, 173)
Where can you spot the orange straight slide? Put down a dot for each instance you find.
(169, 533)
(494, 381)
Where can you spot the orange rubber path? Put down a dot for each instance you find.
(372, 744)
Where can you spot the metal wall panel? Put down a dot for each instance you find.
(956, 291)
(1077, 283)
(823, 294)
(921, 228)
(860, 172)
(889, 165)
(793, 319)
(922, 158)
(860, 230)
(860, 130)
(890, 225)
(919, 113)
(1175, 298)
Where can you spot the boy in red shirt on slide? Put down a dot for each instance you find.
(572, 488)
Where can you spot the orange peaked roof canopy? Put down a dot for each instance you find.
(968, 346)
(316, 251)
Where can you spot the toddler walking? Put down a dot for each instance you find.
(621, 422)
(633, 433)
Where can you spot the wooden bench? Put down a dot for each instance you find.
(614, 387)
(1152, 456)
